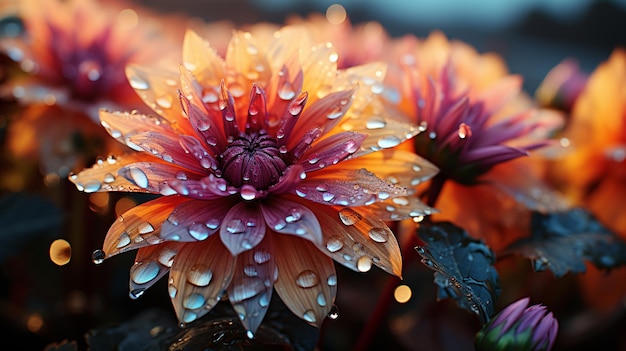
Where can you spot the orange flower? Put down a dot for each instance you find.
(270, 166)
(594, 173)
(475, 122)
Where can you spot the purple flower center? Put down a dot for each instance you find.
(252, 159)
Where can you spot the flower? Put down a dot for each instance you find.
(562, 86)
(518, 327)
(474, 122)
(269, 168)
(68, 74)
(592, 174)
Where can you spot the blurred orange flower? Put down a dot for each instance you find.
(476, 124)
(593, 175)
(270, 168)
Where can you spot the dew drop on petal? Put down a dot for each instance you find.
(247, 192)
(198, 231)
(321, 299)
(193, 301)
(378, 234)
(364, 264)
(388, 141)
(144, 272)
(309, 316)
(348, 216)
(250, 334)
(136, 293)
(261, 256)
(109, 178)
(334, 244)
(332, 280)
(172, 290)
(138, 177)
(98, 256)
(250, 271)
(166, 257)
(91, 186)
(235, 226)
(189, 317)
(375, 123)
(138, 83)
(199, 275)
(123, 240)
(307, 279)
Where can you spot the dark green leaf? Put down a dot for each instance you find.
(463, 267)
(562, 241)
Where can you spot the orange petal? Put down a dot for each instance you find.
(104, 176)
(250, 291)
(396, 166)
(139, 226)
(202, 60)
(121, 125)
(198, 277)
(307, 282)
(151, 263)
(319, 66)
(357, 241)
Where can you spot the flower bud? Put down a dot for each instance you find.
(519, 328)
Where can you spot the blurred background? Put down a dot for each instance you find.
(43, 304)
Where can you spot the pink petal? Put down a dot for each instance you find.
(122, 125)
(166, 148)
(243, 227)
(290, 118)
(250, 291)
(195, 220)
(207, 127)
(154, 177)
(200, 274)
(307, 282)
(292, 176)
(257, 109)
(491, 155)
(285, 216)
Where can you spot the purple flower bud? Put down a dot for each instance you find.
(518, 327)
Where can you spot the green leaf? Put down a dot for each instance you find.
(562, 241)
(463, 267)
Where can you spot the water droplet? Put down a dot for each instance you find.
(336, 112)
(375, 123)
(334, 244)
(145, 228)
(189, 317)
(166, 256)
(261, 256)
(139, 83)
(123, 240)
(309, 316)
(388, 141)
(250, 334)
(91, 186)
(235, 226)
(193, 301)
(138, 177)
(164, 101)
(199, 275)
(248, 192)
(142, 273)
(136, 293)
(321, 299)
(109, 178)
(98, 256)
(198, 231)
(348, 216)
(332, 280)
(213, 223)
(378, 234)
(334, 312)
(307, 279)
(401, 200)
(172, 290)
(250, 271)
(364, 264)
(286, 91)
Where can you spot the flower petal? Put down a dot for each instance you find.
(396, 166)
(250, 291)
(168, 149)
(307, 282)
(332, 150)
(356, 240)
(154, 177)
(195, 220)
(289, 217)
(198, 277)
(121, 125)
(202, 60)
(151, 263)
(139, 226)
(103, 176)
(243, 227)
(347, 187)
